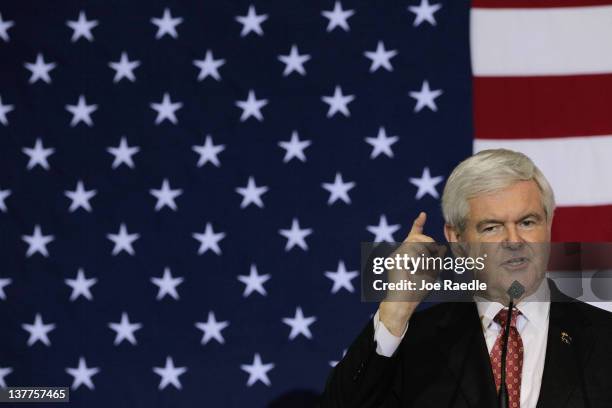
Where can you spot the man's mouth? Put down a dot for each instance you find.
(517, 262)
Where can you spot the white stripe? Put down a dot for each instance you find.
(578, 168)
(602, 305)
(541, 41)
(583, 291)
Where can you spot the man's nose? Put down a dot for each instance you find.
(513, 239)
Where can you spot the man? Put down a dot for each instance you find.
(447, 355)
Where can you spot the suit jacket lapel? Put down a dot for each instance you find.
(467, 356)
(568, 344)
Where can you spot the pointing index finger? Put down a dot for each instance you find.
(419, 223)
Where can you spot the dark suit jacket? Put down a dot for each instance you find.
(443, 362)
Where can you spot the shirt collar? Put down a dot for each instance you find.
(535, 307)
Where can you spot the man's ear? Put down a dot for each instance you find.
(550, 224)
(451, 233)
(452, 236)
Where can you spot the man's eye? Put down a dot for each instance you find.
(489, 229)
(528, 223)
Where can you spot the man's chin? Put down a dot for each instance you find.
(498, 285)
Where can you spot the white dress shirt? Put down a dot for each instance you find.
(532, 325)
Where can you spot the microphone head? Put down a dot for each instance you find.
(516, 290)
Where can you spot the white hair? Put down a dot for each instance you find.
(486, 172)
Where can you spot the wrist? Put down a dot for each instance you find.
(395, 320)
(396, 328)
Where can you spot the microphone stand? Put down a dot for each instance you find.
(503, 389)
(515, 291)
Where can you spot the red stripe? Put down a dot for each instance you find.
(580, 256)
(542, 107)
(587, 224)
(538, 3)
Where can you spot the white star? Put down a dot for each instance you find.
(338, 190)
(380, 57)
(338, 102)
(209, 66)
(4, 194)
(81, 112)
(426, 184)
(167, 285)
(80, 197)
(4, 282)
(123, 154)
(40, 69)
(38, 331)
(4, 371)
(294, 61)
(169, 374)
(251, 194)
(209, 240)
(37, 242)
(212, 329)
(80, 286)
(381, 143)
(337, 17)
(299, 324)
(166, 109)
(251, 22)
(424, 12)
(208, 152)
(426, 97)
(335, 362)
(4, 109)
(257, 371)
(38, 155)
(251, 107)
(342, 278)
(124, 68)
(165, 196)
(294, 147)
(82, 27)
(122, 240)
(125, 330)
(82, 374)
(4, 26)
(254, 282)
(383, 232)
(296, 235)
(166, 24)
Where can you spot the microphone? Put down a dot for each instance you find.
(515, 291)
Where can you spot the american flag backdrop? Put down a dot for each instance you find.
(184, 184)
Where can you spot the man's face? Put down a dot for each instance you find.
(510, 226)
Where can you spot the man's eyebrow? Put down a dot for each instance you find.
(488, 221)
(494, 221)
(534, 215)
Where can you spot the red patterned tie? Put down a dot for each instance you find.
(514, 358)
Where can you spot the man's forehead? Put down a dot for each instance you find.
(511, 204)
